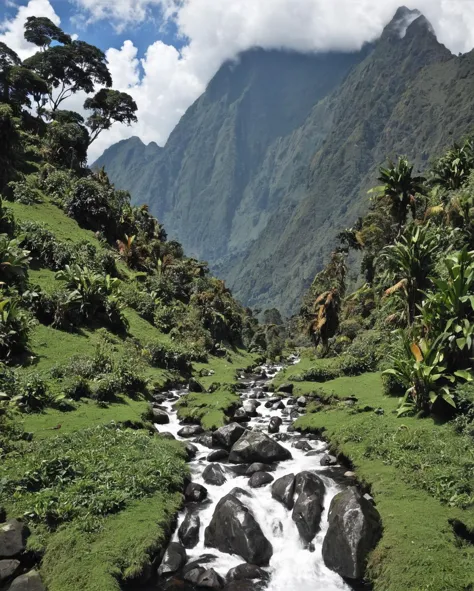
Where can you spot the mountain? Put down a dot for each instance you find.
(276, 156)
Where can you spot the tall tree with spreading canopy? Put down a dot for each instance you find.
(109, 106)
(69, 66)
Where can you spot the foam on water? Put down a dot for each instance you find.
(292, 566)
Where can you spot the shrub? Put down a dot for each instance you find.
(32, 393)
(24, 192)
(317, 374)
(44, 247)
(127, 371)
(14, 260)
(170, 357)
(15, 328)
(350, 328)
(76, 388)
(354, 366)
(107, 388)
(57, 184)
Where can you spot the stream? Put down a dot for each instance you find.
(294, 565)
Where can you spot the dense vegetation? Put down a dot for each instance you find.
(390, 375)
(99, 311)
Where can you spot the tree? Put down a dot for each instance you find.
(109, 106)
(70, 68)
(18, 83)
(453, 169)
(400, 187)
(42, 32)
(66, 140)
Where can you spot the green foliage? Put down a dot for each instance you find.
(90, 474)
(11, 147)
(32, 393)
(109, 106)
(15, 328)
(14, 260)
(452, 170)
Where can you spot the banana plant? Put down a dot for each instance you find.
(14, 260)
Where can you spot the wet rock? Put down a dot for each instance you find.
(194, 569)
(205, 439)
(313, 452)
(274, 424)
(271, 401)
(190, 431)
(228, 435)
(369, 498)
(160, 417)
(260, 479)
(176, 584)
(250, 407)
(246, 571)
(282, 437)
(354, 530)
(328, 460)
(13, 535)
(308, 508)
(240, 416)
(278, 405)
(214, 474)
(166, 435)
(191, 450)
(195, 386)
(303, 445)
(8, 568)
(287, 388)
(233, 530)
(193, 574)
(210, 580)
(258, 467)
(174, 559)
(283, 490)
(255, 446)
(195, 493)
(220, 455)
(243, 585)
(301, 401)
(350, 475)
(188, 532)
(294, 414)
(239, 492)
(291, 402)
(28, 582)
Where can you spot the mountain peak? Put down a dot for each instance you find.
(399, 24)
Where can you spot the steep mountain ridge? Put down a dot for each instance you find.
(263, 202)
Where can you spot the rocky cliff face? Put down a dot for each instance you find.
(276, 156)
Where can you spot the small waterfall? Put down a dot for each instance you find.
(293, 566)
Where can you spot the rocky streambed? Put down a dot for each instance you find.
(265, 508)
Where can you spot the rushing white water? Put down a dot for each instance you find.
(293, 567)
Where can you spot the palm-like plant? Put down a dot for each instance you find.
(408, 265)
(400, 186)
(14, 259)
(14, 328)
(452, 170)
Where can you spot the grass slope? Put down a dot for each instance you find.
(420, 473)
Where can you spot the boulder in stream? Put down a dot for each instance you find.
(255, 446)
(195, 493)
(259, 479)
(308, 507)
(250, 407)
(234, 530)
(286, 388)
(214, 474)
(354, 529)
(190, 431)
(159, 416)
(210, 579)
(228, 435)
(8, 568)
(303, 445)
(219, 455)
(188, 532)
(247, 571)
(328, 460)
(173, 560)
(274, 424)
(28, 582)
(13, 535)
(241, 416)
(283, 490)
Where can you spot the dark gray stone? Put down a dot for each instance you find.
(195, 386)
(255, 446)
(160, 417)
(301, 401)
(190, 431)
(246, 571)
(233, 530)
(328, 460)
(354, 530)
(258, 467)
(13, 536)
(191, 450)
(278, 405)
(195, 493)
(210, 579)
(244, 585)
(274, 424)
(28, 582)
(250, 407)
(303, 445)
(260, 479)
(220, 455)
(188, 532)
(205, 439)
(8, 568)
(214, 474)
(308, 508)
(174, 559)
(283, 490)
(228, 435)
(241, 416)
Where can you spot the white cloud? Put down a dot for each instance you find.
(11, 31)
(166, 81)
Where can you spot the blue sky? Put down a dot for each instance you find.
(164, 52)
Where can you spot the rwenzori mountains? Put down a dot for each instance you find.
(276, 157)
